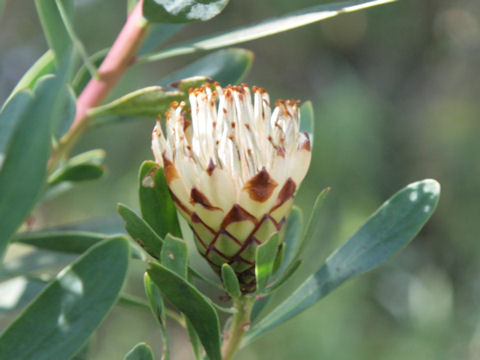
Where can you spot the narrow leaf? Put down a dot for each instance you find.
(43, 66)
(307, 120)
(85, 166)
(182, 11)
(313, 223)
(61, 319)
(53, 26)
(156, 204)
(264, 260)
(293, 238)
(230, 281)
(72, 242)
(157, 307)
(150, 101)
(141, 351)
(83, 76)
(263, 29)
(174, 255)
(194, 340)
(228, 66)
(24, 168)
(193, 304)
(10, 116)
(387, 231)
(140, 231)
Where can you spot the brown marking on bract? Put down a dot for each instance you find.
(286, 193)
(211, 167)
(177, 202)
(169, 170)
(237, 214)
(197, 197)
(306, 144)
(261, 186)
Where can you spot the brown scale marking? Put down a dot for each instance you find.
(225, 110)
(261, 186)
(233, 238)
(169, 170)
(197, 197)
(286, 193)
(177, 201)
(280, 152)
(237, 214)
(211, 167)
(196, 219)
(247, 126)
(238, 258)
(306, 144)
(233, 124)
(215, 250)
(199, 238)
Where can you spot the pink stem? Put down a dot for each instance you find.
(119, 58)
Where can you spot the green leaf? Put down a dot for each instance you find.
(278, 283)
(141, 351)
(228, 66)
(86, 166)
(36, 261)
(190, 83)
(24, 168)
(158, 34)
(72, 242)
(193, 304)
(194, 340)
(156, 302)
(10, 116)
(264, 260)
(182, 11)
(230, 281)
(313, 223)
(265, 28)
(174, 255)
(67, 114)
(156, 204)
(293, 238)
(140, 231)
(43, 66)
(53, 26)
(82, 77)
(307, 120)
(150, 101)
(62, 318)
(387, 231)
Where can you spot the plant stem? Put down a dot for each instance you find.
(117, 61)
(239, 326)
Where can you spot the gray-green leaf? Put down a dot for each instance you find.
(156, 204)
(61, 319)
(141, 351)
(388, 230)
(182, 11)
(265, 28)
(227, 66)
(193, 304)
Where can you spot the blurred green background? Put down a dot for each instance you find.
(396, 92)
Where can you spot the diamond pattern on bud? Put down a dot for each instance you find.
(233, 166)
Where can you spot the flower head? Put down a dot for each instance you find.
(233, 166)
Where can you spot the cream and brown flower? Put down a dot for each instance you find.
(233, 166)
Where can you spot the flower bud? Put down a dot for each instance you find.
(233, 166)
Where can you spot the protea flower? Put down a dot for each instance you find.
(232, 166)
